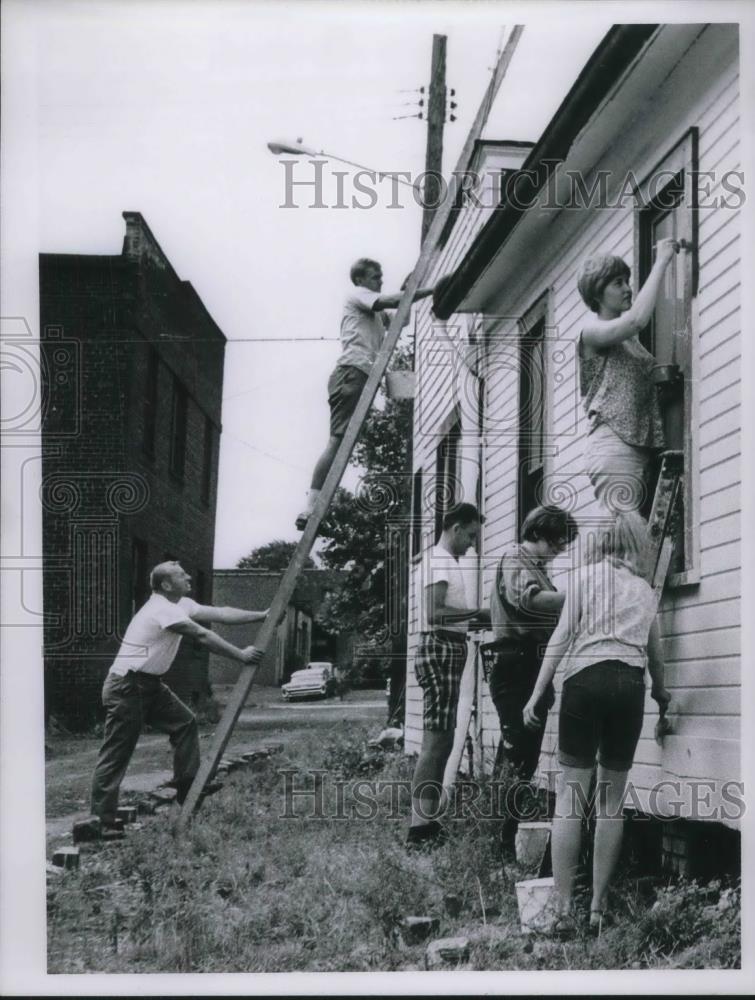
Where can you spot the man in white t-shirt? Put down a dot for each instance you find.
(363, 328)
(439, 663)
(134, 694)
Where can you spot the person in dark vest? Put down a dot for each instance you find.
(524, 609)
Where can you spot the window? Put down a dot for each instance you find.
(208, 457)
(669, 210)
(531, 416)
(447, 484)
(150, 403)
(139, 574)
(200, 588)
(417, 513)
(178, 430)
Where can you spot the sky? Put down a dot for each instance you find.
(166, 109)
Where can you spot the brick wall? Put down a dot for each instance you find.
(101, 491)
(255, 590)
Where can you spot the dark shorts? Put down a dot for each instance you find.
(344, 389)
(438, 665)
(601, 715)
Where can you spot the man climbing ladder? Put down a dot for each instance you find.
(288, 581)
(363, 327)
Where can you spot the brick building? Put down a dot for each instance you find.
(132, 374)
(299, 638)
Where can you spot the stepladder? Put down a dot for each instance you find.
(663, 528)
(664, 520)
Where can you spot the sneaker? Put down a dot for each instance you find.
(599, 921)
(563, 927)
(112, 830)
(426, 837)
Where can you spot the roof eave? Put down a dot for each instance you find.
(609, 61)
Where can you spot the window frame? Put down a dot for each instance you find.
(139, 554)
(179, 419)
(532, 328)
(450, 438)
(417, 515)
(208, 462)
(681, 156)
(150, 403)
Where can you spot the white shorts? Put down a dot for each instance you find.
(617, 470)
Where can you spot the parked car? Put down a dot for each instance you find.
(316, 680)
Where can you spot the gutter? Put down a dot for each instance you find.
(605, 67)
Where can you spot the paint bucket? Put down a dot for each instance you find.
(536, 898)
(531, 843)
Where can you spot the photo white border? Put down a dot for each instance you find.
(22, 828)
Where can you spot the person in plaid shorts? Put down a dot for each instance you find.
(439, 664)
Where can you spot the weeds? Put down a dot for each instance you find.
(246, 890)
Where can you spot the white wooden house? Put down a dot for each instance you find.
(651, 127)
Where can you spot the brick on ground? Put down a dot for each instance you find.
(446, 951)
(413, 930)
(66, 857)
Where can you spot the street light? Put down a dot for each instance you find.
(280, 148)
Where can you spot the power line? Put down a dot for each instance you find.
(261, 451)
(200, 340)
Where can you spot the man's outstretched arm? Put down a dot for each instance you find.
(392, 301)
(227, 616)
(205, 637)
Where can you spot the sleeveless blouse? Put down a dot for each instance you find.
(617, 389)
(618, 609)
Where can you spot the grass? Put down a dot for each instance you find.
(249, 889)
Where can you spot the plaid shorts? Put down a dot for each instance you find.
(438, 665)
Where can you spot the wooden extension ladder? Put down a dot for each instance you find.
(290, 577)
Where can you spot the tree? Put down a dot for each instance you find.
(362, 536)
(273, 556)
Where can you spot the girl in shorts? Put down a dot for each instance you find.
(607, 633)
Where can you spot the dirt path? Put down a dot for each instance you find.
(266, 719)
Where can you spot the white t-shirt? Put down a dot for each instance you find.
(149, 645)
(362, 329)
(442, 567)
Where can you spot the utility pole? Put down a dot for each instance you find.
(290, 577)
(436, 115)
(398, 563)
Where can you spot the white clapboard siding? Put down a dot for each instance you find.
(433, 402)
(720, 379)
(717, 233)
(699, 624)
(720, 559)
(700, 673)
